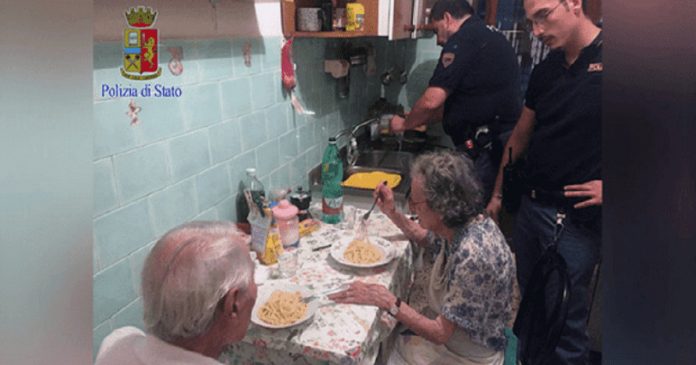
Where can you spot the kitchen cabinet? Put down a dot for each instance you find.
(383, 18)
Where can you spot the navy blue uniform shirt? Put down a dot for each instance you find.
(566, 145)
(479, 69)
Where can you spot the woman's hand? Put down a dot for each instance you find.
(385, 199)
(366, 294)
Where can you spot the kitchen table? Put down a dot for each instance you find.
(338, 333)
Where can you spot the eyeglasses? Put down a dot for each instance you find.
(412, 203)
(541, 18)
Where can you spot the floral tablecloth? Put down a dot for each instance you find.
(338, 333)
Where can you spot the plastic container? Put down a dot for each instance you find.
(331, 178)
(285, 215)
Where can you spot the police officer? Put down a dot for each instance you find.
(560, 132)
(474, 90)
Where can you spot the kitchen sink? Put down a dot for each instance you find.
(394, 162)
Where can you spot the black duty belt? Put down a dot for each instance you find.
(555, 198)
(481, 139)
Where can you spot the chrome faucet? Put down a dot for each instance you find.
(352, 153)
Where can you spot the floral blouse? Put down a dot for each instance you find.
(481, 275)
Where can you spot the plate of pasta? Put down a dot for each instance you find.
(372, 252)
(282, 306)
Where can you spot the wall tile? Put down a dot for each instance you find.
(287, 144)
(227, 210)
(212, 186)
(141, 171)
(121, 232)
(130, 315)
(262, 91)
(225, 140)
(214, 59)
(209, 215)
(235, 98)
(280, 178)
(277, 119)
(189, 154)
(112, 130)
(136, 261)
(104, 189)
(271, 58)
(306, 137)
(98, 335)
(159, 118)
(257, 50)
(200, 105)
(267, 157)
(172, 206)
(112, 291)
(191, 73)
(253, 128)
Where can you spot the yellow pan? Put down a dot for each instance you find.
(370, 180)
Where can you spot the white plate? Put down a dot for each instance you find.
(337, 251)
(264, 294)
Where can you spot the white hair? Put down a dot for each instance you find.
(188, 272)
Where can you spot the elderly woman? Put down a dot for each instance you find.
(198, 292)
(472, 279)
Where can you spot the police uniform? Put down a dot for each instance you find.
(479, 69)
(564, 149)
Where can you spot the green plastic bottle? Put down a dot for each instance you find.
(331, 177)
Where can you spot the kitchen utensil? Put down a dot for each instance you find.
(367, 215)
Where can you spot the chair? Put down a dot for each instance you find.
(543, 309)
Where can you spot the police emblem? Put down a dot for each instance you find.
(140, 45)
(447, 59)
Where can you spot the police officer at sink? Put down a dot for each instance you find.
(474, 90)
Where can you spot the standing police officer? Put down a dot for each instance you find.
(474, 90)
(560, 131)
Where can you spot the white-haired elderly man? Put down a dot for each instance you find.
(198, 292)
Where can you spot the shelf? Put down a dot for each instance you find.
(329, 34)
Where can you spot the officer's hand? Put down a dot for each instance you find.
(385, 199)
(397, 124)
(493, 208)
(592, 190)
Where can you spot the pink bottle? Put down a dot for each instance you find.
(285, 215)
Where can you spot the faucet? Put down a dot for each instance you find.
(352, 153)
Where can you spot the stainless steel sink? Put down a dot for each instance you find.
(387, 161)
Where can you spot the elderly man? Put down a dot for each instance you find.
(198, 292)
(560, 132)
(474, 89)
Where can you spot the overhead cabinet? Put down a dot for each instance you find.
(383, 18)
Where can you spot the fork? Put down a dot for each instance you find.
(367, 215)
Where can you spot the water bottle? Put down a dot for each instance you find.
(331, 177)
(255, 187)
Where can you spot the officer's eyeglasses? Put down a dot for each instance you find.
(541, 18)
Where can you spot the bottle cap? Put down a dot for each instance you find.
(251, 171)
(284, 210)
(332, 139)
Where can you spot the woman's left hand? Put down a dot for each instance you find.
(366, 294)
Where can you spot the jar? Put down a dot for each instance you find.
(285, 215)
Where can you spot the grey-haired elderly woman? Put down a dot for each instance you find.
(198, 292)
(472, 280)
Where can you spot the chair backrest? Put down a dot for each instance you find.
(543, 310)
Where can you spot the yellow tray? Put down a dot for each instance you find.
(370, 180)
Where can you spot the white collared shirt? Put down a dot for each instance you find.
(130, 345)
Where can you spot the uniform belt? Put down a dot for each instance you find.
(556, 198)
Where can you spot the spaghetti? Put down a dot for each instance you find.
(283, 308)
(362, 252)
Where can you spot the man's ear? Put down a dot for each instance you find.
(231, 307)
(575, 6)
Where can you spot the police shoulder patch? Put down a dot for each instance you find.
(447, 59)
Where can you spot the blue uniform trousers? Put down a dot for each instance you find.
(579, 246)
